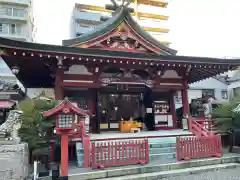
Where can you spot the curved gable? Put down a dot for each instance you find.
(120, 33)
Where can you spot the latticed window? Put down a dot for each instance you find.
(65, 121)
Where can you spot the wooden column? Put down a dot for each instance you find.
(185, 102)
(98, 115)
(185, 105)
(59, 93)
(173, 110)
(64, 156)
(92, 109)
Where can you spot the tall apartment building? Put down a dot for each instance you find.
(150, 14)
(16, 22)
(16, 19)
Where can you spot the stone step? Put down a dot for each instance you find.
(176, 173)
(164, 157)
(162, 145)
(152, 168)
(162, 150)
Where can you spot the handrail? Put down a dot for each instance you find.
(196, 128)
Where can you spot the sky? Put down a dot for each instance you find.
(197, 27)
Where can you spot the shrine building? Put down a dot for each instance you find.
(115, 72)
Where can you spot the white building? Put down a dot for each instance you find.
(16, 19)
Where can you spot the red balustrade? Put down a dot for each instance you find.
(199, 127)
(118, 153)
(199, 147)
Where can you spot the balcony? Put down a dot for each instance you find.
(14, 31)
(15, 36)
(101, 9)
(81, 30)
(156, 12)
(11, 13)
(17, 2)
(13, 18)
(157, 3)
(87, 16)
(154, 25)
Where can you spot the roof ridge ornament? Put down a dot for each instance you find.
(122, 5)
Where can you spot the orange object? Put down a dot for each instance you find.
(125, 126)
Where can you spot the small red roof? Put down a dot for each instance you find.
(6, 104)
(61, 106)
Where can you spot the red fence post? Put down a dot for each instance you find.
(86, 151)
(93, 155)
(146, 151)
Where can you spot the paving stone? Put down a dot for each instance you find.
(223, 174)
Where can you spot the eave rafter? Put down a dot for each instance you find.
(119, 61)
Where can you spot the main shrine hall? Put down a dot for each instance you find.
(115, 72)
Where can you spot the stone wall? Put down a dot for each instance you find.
(13, 161)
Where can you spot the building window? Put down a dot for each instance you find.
(15, 29)
(1, 27)
(224, 94)
(9, 11)
(18, 12)
(208, 93)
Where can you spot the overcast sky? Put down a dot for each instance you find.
(197, 27)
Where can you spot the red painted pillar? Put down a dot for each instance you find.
(173, 110)
(64, 155)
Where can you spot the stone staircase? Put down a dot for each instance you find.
(154, 171)
(162, 149)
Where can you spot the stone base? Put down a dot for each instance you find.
(14, 159)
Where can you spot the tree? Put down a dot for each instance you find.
(227, 120)
(36, 130)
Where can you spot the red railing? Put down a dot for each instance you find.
(207, 124)
(117, 153)
(86, 144)
(199, 127)
(198, 147)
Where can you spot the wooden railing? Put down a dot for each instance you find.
(209, 125)
(86, 144)
(199, 147)
(200, 127)
(117, 153)
(205, 144)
